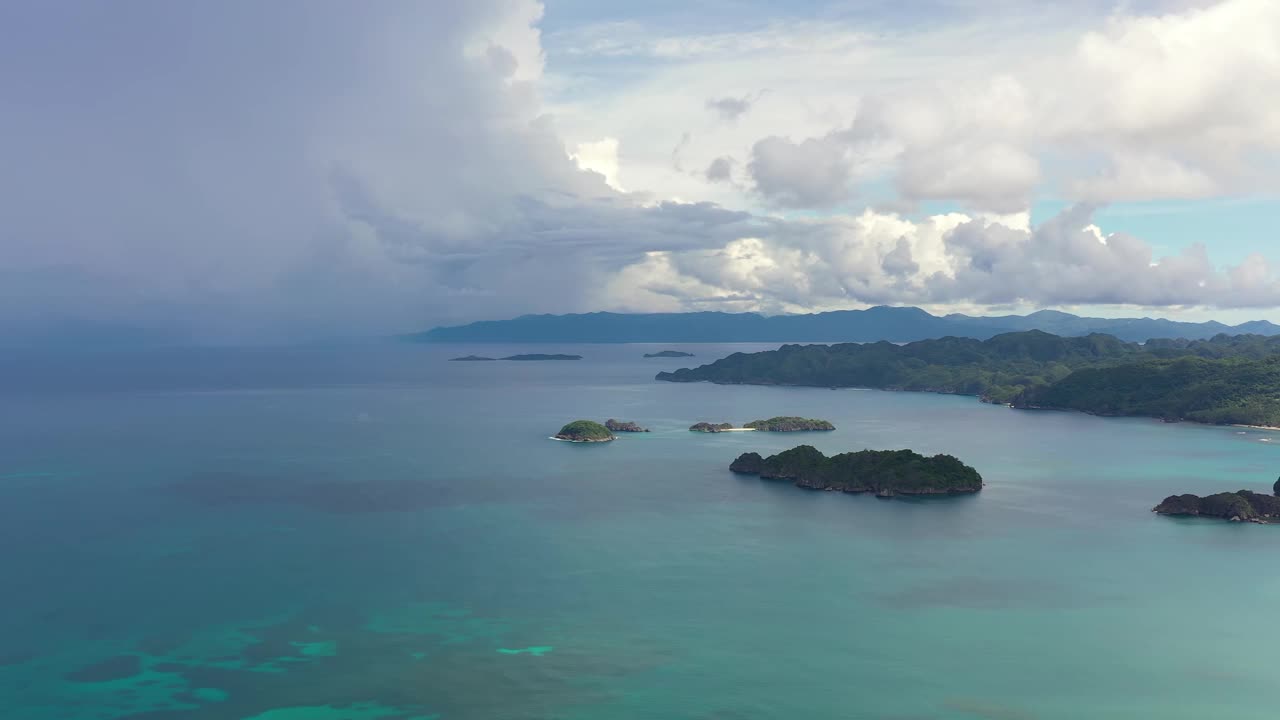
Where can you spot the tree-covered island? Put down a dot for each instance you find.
(1239, 506)
(706, 427)
(623, 426)
(883, 472)
(542, 356)
(789, 424)
(584, 431)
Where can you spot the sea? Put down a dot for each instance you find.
(375, 533)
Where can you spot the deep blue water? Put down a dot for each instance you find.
(375, 533)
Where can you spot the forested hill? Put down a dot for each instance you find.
(1232, 390)
(1223, 380)
(895, 324)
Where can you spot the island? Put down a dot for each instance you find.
(1239, 506)
(539, 356)
(710, 427)
(789, 424)
(1226, 380)
(668, 354)
(895, 324)
(621, 426)
(472, 358)
(584, 431)
(886, 473)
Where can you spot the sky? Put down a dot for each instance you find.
(240, 171)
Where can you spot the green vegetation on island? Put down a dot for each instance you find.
(1232, 390)
(623, 426)
(1239, 506)
(540, 356)
(668, 354)
(883, 472)
(789, 424)
(530, 357)
(707, 427)
(1225, 380)
(584, 431)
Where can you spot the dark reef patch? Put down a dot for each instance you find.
(16, 657)
(116, 668)
(447, 670)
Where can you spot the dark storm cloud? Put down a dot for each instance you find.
(241, 169)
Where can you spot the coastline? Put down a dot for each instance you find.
(979, 398)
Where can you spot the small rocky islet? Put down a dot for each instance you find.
(783, 423)
(706, 427)
(790, 423)
(584, 431)
(1239, 506)
(886, 473)
(668, 354)
(542, 356)
(527, 358)
(592, 431)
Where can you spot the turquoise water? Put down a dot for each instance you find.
(352, 534)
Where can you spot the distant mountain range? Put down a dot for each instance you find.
(895, 324)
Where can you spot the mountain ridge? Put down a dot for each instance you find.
(892, 323)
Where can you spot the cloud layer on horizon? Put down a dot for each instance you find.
(234, 172)
(954, 259)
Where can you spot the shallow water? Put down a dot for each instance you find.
(375, 533)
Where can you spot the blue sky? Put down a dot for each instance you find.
(230, 172)
(1235, 227)
(722, 15)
